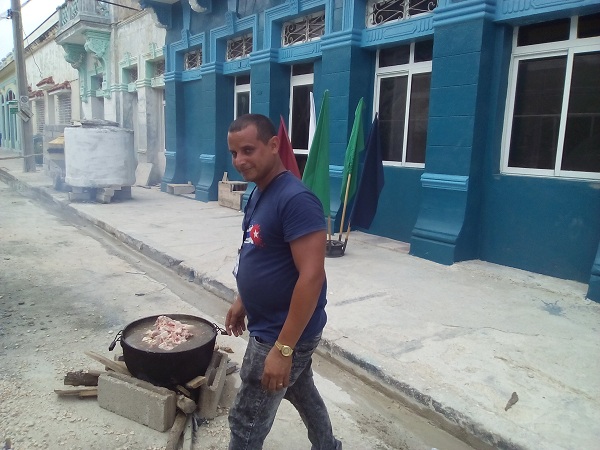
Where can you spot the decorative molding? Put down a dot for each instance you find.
(444, 181)
(341, 39)
(300, 52)
(201, 6)
(399, 31)
(212, 67)
(75, 55)
(463, 11)
(97, 42)
(236, 66)
(263, 56)
(514, 9)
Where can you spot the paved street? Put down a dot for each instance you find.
(68, 287)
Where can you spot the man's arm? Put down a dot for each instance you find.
(308, 253)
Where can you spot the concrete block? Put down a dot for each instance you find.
(142, 173)
(123, 193)
(230, 194)
(80, 196)
(210, 393)
(137, 400)
(178, 189)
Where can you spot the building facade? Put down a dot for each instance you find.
(92, 60)
(489, 113)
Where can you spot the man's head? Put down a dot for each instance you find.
(263, 125)
(254, 148)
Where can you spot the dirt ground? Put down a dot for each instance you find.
(65, 289)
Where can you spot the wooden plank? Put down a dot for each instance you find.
(81, 378)
(79, 392)
(116, 366)
(184, 391)
(176, 430)
(196, 382)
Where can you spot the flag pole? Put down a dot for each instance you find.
(347, 234)
(344, 207)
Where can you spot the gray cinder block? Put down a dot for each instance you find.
(137, 400)
(210, 393)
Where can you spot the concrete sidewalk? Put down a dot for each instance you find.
(454, 342)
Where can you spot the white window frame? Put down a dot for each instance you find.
(299, 80)
(568, 48)
(409, 69)
(238, 89)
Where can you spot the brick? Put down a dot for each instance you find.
(137, 400)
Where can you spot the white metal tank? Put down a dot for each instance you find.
(99, 154)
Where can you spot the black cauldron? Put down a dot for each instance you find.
(169, 368)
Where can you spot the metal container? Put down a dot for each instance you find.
(172, 367)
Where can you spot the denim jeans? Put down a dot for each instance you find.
(254, 409)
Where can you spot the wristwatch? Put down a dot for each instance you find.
(285, 350)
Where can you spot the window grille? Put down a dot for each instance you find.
(132, 74)
(380, 12)
(239, 47)
(305, 29)
(159, 68)
(193, 59)
(40, 110)
(64, 109)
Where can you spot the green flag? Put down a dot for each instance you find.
(316, 171)
(356, 145)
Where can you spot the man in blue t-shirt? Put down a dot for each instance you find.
(282, 288)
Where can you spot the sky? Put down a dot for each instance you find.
(33, 14)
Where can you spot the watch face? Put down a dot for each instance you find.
(286, 351)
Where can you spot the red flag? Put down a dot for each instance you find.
(286, 152)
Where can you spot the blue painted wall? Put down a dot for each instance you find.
(459, 206)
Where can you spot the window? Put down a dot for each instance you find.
(552, 125)
(242, 95)
(301, 87)
(159, 68)
(192, 59)
(383, 11)
(403, 80)
(131, 74)
(64, 108)
(304, 29)
(239, 47)
(40, 110)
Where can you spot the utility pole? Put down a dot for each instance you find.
(23, 112)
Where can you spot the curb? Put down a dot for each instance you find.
(447, 418)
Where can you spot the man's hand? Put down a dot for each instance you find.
(235, 320)
(276, 375)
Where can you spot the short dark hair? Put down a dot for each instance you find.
(265, 129)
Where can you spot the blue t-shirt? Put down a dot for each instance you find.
(266, 276)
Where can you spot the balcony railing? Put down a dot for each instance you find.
(89, 10)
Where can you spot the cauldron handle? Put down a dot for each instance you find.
(114, 342)
(219, 329)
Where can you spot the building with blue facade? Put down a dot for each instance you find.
(489, 113)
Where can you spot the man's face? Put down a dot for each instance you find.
(252, 158)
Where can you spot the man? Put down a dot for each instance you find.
(281, 283)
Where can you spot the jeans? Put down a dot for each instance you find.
(254, 409)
